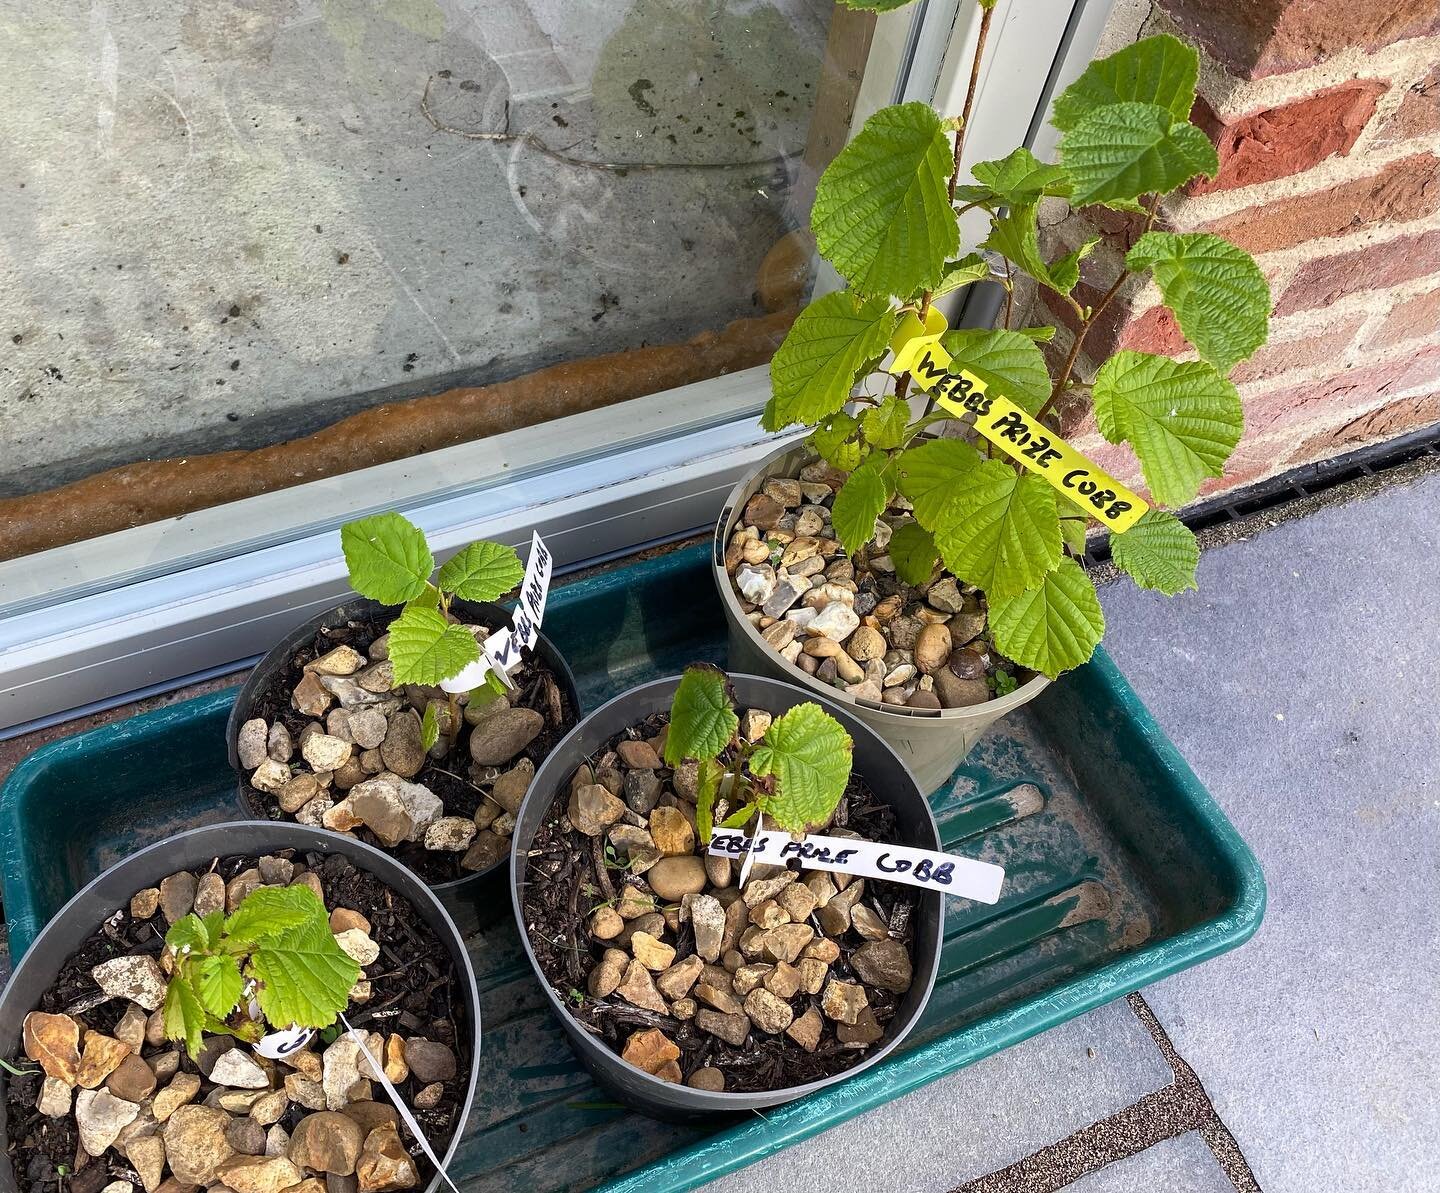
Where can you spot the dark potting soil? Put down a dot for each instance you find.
(414, 991)
(566, 879)
(539, 689)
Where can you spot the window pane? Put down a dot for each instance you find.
(233, 226)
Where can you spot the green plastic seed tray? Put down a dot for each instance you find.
(1121, 870)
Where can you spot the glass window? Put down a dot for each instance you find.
(246, 245)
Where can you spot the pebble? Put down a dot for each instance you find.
(932, 647)
(310, 696)
(671, 833)
(54, 1099)
(653, 954)
(592, 809)
(502, 735)
(246, 1136)
(237, 1068)
(945, 595)
(784, 490)
(209, 895)
(195, 1143)
(145, 903)
(510, 788)
(787, 592)
(181, 1090)
(806, 1030)
(343, 660)
(100, 1057)
(356, 945)
(954, 692)
(138, 978)
(883, 963)
(843, 1001)
(672, 878)
(967, 626)
(251, 742)
(270, 776)
(384, 1163)
(605, 923)
(763, 512)
(756, 582)
(837, 621)
(132, 1079)
(450, 834)
(327, 1141)
(677, 981)
(429, 1060)
(650, 1050)
(429, 1097)
(732, 1028)
(867, 924)
(324, 752)
(100, 1116)
(606, 976)
(638, 987)
(767, 1012)
(707, 1078)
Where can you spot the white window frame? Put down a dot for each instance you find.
(142, 610)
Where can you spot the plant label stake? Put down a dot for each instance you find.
(503, 649)
(962, 876)
(394, 1095)
(280, 1044)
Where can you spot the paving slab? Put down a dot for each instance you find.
(1184, 1164)
(982, 1118)
(1301, 683)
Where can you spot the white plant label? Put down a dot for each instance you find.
(963, 876)
(503, 649)
(394, 1096)
(280, 1044)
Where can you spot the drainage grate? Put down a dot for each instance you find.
(1298, 483)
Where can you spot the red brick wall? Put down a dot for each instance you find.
(1326, 118)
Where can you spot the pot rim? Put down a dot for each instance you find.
(321, 840)
(260, 675)
(725, 524)
(730, 1100)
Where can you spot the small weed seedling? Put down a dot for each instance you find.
(390, 562)
(275, 948)
(795, 774)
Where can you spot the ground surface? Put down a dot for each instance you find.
(1301, 684)
(223, 225)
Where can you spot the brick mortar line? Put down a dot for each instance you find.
(1178, 1108)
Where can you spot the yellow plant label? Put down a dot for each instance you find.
(918, 351)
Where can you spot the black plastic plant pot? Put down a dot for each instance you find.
(885, 774)
(73, 925)
(474, 900)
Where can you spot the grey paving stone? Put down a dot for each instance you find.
(1302, 683)
(980, 1119)
(1184, 1164)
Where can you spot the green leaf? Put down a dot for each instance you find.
(1053, 627)
(1006, 361)
(1041, 335)
(702, 719)
(388, 559)
(1019, 178)
(968, 269)
(306, 977)
(429, 727)
(1004, 532)
(1159, 552)
(912, 551)
(832, 342)
(711, 772)
(1073, 532)
(882, 213)
(189, 932)
(808, 752)
(930, 474)
(1182, 418)
(1123, 151)
(885, 424)
(862, 499)
(1154, 70)
(481, 572)
(218, 984)
(182, 1015)
(837, 440)
(1220, 298)
(425, 648)
(740, 817)
(1016, 236)
(269, 910)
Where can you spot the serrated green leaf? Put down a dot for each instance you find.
(1073, 532)
(837, 439)
(967, 270)
(188, 932)
(1016, 235)
(1159, 70)
(708, 785)
(425, 648)
(1123, 151)
(481, 572)
(1006, 361)
(862, 498)
(1003, 534)
(702, 719)
(1052, 627)
(886, 423)
(1182, 418)
(218, 984)
(388, 558)
(269, 910)
(740, 817)
(1220, 298)
(182, 1015)
(1040, 335)
(429, 727)
(1159, 552)
(1019, 178)
(912, 551)
(882, 213)
(305, 976)
(830, 345)
(808, 752)
(930, 474)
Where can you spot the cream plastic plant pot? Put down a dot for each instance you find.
(932, 742)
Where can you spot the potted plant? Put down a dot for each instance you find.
(380, 718)
(683, 991)
(179, 1023)
(918, 562)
